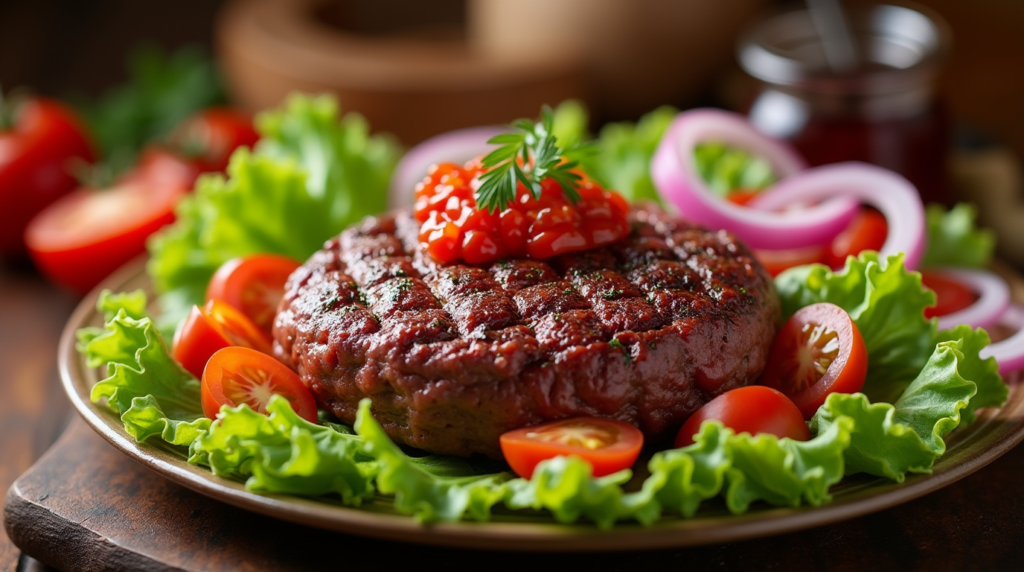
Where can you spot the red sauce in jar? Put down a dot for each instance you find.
(453, 228)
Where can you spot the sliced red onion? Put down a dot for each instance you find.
(679, 182)
(1009, 353)
(456, 146)
(894, 196)
(993, 297)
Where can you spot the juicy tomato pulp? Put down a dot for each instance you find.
(608, 445)
(867, 231)
(37, 153)
(238, 375)
(453, 228)
(211, 328)
(753, 409)
(950, 295)
(84, 236)
(818, 351)
(777, 261)
(253, 285)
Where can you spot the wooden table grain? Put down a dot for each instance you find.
(33, 407)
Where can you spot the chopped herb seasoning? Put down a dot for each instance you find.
(626, 356)
(329, 304)
(611, 294)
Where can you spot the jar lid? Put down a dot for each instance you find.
(898, 48)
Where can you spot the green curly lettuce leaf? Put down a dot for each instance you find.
(313, 174)
(893, 439)
(144, 385)
(954, 239)
(621, 156)
(282, 453)
(743, 468)
(420, 492)
(887, 303)
(992, 391)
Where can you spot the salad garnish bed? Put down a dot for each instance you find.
(315, 173)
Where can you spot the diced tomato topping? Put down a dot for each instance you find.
(454, 229)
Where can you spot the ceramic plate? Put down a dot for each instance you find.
(970, 448)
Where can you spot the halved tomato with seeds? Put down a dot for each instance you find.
(608, 445)
(819, 351)
(215, 326)
(238, 375)
(253, 285)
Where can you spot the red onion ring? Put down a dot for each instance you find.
(993, 297)
(1009, 353)
(894, 196)
(677, 179)
(456, 146)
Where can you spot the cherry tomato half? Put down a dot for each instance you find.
(950, 295)
(253, 284)
(608, 445)
(867, 231)
(818, 351)
(213, 327)
(238, 375)
(83, 237)
(753, 409)
(43, 140)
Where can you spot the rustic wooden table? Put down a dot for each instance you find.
(85, 506)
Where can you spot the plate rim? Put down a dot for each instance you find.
(532, 536)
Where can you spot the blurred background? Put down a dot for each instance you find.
(416, 69)
(687, 49)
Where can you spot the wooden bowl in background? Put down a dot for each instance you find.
(408, 72)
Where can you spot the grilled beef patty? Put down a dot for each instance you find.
(645, 331)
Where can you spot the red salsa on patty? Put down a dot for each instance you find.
(453, 228)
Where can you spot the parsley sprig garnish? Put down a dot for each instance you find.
(536, 147)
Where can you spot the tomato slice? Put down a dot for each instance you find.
(83, 237)
(950, 295)
(211, 328)
(818, 351)
(608, 445)
(776, 261)
(253, 284)
(754, 409)
(238, 375)
(867, 231)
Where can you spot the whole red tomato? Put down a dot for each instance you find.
(210, 136)
(38, 144)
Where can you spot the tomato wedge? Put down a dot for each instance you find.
(211, 328)
(818, 351)
(238, 375)
(950, 296)
(253, 284)
(867, 231)
(608, 445)
(754, 409)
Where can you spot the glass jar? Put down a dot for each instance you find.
(884, 111)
